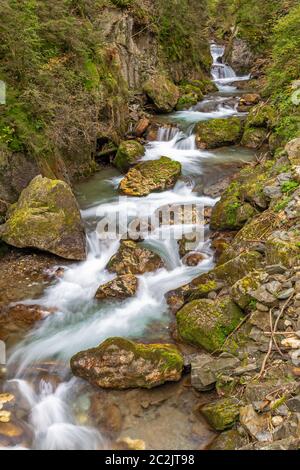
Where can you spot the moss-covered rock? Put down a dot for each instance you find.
(120, 364)
(284, 252)
(186, 101)
(129, 152)
(120, 288)
(230, 214)
(206, 323)
(218, 132)
(132, 258)
(258, 229)
(149, 176)
(254, 137)
(225, 274)
(263, 115)
(221, 414)
(241, 291)
(162, 92)
(47, 217)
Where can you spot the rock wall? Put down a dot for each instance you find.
(83, 84)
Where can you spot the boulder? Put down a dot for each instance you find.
(205, 369)
(47, 217)
(258, 426)
(254, 137)
(149, 176)
(242, 291)
(221, 414)
(262, 115)
(120, 288)
(218, 132)
(186, 101)
(293, 151)
(128, 154)
(207, 323)
(163, 93)
(250, 99)
(284, 252)
(231, 214)
(121, 364)
(132, 258)
(141, 127)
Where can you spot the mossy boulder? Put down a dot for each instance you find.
(149, 176)
(129, 153)
(206, 323)
(254, 137)
(47, 217)
(231, 214)
(163, 93)
(120, 288)
(121, 364)
(262, 115)
(186, 101)
(218, 132)
(221, 414)
(132, 258)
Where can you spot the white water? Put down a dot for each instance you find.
(223, 75)
(81, 322)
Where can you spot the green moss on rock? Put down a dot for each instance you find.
(254, 138)
(218, 132)
(132, 258)
(221, 414)
(206, 323)
(149, 176)
(47, 217)
(129, 152)
(163, 93)
(286, 253)
(120, 364)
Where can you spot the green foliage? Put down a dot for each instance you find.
(289, 186)
(285, 65)
(177, 22)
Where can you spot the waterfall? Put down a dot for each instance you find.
(223, 75)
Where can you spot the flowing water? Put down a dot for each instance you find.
(80, 322)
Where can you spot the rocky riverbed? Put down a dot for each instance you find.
(144, 343)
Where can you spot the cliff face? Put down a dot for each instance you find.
(72, 69)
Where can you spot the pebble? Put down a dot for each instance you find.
(287, 285)
(277, 421)
(262, 307)
(275, 269)
(284, 295)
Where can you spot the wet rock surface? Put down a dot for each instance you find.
(146, 177)
(132, 258)
(121, 364)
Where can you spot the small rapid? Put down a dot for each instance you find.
(79, 321)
